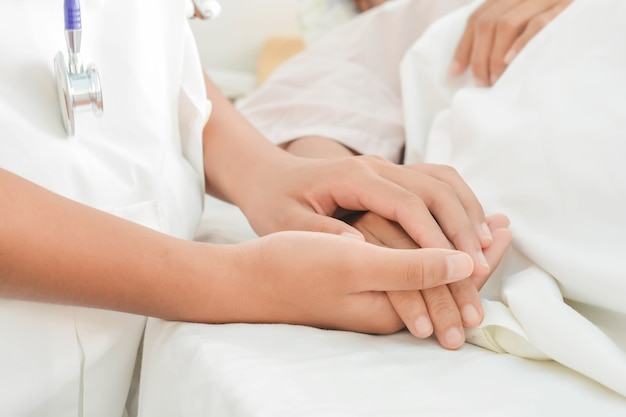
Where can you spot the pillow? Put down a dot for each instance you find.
(318, 16)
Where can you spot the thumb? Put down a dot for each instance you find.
(325, 224)
(387, 269)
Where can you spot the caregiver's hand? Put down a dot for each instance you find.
(446, 309)
(278, 191)
(325, 280)
(432, 203)
(497, 31)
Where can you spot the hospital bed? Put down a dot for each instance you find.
(248, 370)
(245, 370)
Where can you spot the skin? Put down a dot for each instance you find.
(56, 250)
(364, 5)
(497, 31)
(444, 310)
(278, 191)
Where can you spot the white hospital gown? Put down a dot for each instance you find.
(141, 161)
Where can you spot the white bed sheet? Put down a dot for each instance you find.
(243, 370)
(544, 145)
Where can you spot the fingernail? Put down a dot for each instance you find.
(486, 233)
(482, 260)
(480, 83)
(471, 316)
(455, 68)
(353, 236)
(509, 57)
(494, 78)
(423, 326)
(454, 338)
(460, 265)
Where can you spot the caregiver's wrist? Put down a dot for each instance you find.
(317, 147)
(192, 289)
(258, 173)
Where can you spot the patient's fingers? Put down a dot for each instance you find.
(445, 315)
(427, 310)
(457, 305)
(507, 29)
(445, 309)
(430, 210)
(501, 239)
(537, 23)
(411, 308)
(476, 41)
(485, 25)
(345, 285)
(497, 31)
(364, 5)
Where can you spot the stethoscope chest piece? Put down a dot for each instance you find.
(78, 90)
(78, 87)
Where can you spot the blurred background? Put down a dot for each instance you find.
(242, 46)
(231, 45)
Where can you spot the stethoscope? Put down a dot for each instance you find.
(78, 85)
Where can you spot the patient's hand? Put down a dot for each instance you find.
(497, 31)
(364, 5)
(446, 309)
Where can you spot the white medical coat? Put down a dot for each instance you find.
(141, 161)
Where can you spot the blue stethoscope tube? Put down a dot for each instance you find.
(78, 87)
(72, 15)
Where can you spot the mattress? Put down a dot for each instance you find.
(251, 370)
(529, 147)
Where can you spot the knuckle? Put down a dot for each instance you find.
(321, 226)
(539, 23)
(443, 194)
(416, 273)
(448, 171)
(507, 26)
(440, 306)
(484, 25)
(368, 161)
(377, 158)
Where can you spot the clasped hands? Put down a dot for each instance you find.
(388, 264)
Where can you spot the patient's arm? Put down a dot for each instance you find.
(444, 309)
(497, 31)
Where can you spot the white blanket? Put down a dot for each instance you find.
(544, 146)
(246, 370)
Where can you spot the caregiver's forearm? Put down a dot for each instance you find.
(233, 149)
(55, 250)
